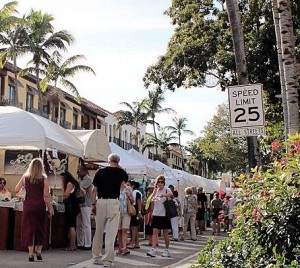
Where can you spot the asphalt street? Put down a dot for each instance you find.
(184, 253)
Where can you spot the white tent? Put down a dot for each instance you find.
(211, 186)
(23, 130)
(96, 146)
(132, 165)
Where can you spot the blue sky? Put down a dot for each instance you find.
(120, 39)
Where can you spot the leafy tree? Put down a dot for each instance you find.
(178, 128)
(202, 42)
(217, 150)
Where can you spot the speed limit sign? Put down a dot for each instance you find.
(246, 110)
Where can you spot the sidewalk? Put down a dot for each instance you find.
(184, 254)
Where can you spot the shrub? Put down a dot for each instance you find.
(267, 232)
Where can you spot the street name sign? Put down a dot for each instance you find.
(246, 110)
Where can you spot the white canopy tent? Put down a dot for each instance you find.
(96, 146)
(131, 164)
(23, 130)
(211, 186)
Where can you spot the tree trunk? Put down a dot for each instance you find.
(241, 69)
(280, 63)
(289, 64)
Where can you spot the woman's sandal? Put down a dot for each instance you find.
(31, 258)
(39, 256)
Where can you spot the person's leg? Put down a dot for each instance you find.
(175, 228)
(154, 237)
(113, 216)
(166, 238)
(136, 241)
(214, 225)
(100, 219)
(193, 226)
(30, 253)
(72, 238)
(218, 225)
(86, 226)
(185, 225)
(79, 230)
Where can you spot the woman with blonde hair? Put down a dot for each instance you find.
(34, 208)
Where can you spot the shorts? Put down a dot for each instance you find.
(161, 222)
(124, 222)
(216, 212)
(134, 221)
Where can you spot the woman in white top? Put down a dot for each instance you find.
(159, 219)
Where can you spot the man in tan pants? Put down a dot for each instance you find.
(106, 206)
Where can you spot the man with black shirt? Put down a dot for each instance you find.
(202, 207)
(106, 207)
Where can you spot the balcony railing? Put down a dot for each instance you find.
(123, 144)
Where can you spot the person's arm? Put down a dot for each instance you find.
(47, 197)
(94, 199)
(68, 190)
(20, 184)
(139, 204)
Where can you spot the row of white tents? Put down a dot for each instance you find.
(136, 163)
(25, 131)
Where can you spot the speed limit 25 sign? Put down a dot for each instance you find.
(246, 110)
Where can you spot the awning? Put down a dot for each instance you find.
(12, 81)
(77, 111)
(32, 90)
(65, 106)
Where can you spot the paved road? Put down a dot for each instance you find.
(184, 253)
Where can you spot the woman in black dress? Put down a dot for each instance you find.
(34, 208)
(72, 209)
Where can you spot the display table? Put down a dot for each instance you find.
(6, 210)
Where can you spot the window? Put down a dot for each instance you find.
(75, 121)
(62, 116)
(11, 95)
(29, 102)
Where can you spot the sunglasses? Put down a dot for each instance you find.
(3, 183)
(160, 182)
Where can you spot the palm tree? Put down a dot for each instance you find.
(153, 106)
(178, 129)
(11, 35)
(41, 39)
(289, 62)
(163, 141)
(134, 116)
(241, 69)
(59, 72)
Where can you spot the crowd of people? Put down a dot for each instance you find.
(108, 196)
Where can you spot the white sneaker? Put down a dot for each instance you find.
(151, 253)
(166, 253)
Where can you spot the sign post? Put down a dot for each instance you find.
(246, 110)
